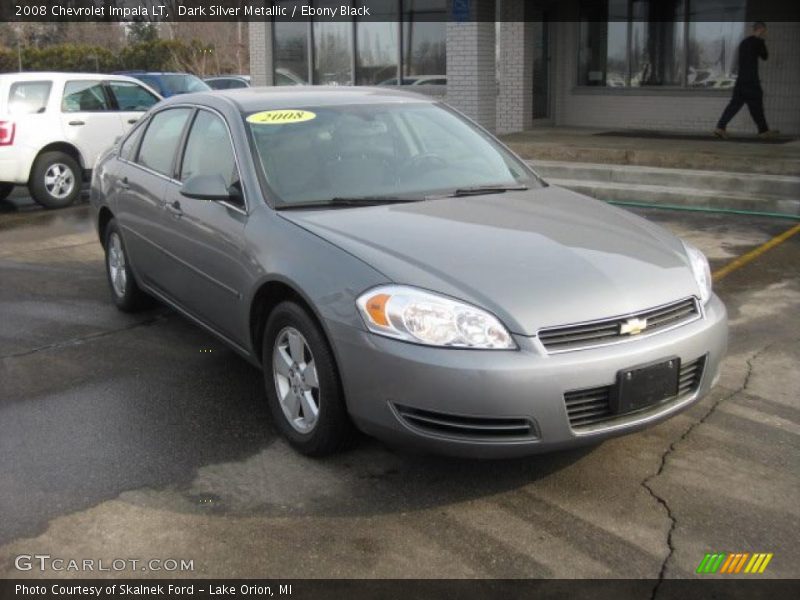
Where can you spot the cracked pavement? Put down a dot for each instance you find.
(143, 437)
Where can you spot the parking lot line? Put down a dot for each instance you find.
(755, 253)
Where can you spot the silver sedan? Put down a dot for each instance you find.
(394, 269)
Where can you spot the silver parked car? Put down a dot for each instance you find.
(393, 268)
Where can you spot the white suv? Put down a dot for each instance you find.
(54, 125)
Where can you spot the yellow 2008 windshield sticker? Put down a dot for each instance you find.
(281, 117)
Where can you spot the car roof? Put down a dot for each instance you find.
(267, 98)
(155, 73)
(59, 75)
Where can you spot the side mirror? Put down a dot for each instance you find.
(206, 187)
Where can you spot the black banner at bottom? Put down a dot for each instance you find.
(403, 589)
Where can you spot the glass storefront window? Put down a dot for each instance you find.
(424, 41)
(603, 54)
(376, 44)
(333, 49)
(712, 53)
(637, 43)
(290, 46)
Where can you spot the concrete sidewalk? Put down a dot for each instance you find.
(707, 153)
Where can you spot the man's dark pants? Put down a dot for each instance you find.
(753, 96)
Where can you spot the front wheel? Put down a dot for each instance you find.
(55, 180)
(302, 383)
(124, 291)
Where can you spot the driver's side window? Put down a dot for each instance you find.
(209, 151)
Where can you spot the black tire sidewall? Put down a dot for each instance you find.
(37, 187)
(334, 430)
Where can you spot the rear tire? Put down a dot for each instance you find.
(5, 190)
(55, 180)
(302, 383)
(124, 290)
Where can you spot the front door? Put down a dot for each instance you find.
(205, 239)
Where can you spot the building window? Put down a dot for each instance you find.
(400, 37)
(290, 52)
(377, 47)
(333, 48)
(664, 43)
(424, 40)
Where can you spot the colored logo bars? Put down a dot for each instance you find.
(734, 562)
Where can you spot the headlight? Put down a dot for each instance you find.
(422, 317)
(701, 270)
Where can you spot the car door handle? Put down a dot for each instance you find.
(76, 123)
(132, 121)
(123, 183)
(175, 208)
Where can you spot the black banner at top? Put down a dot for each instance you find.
(393, 10)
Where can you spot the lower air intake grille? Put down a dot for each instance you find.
(484, 428)
(592, 406)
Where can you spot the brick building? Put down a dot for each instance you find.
(514, 64)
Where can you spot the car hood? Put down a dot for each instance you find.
(536, 258)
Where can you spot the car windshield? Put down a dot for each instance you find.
(183, 84)
(399, 150)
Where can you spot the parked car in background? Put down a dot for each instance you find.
(169, 84)
(54, 125)
(391, 266)
(228, 82)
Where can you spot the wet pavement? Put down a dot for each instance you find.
(142, 436)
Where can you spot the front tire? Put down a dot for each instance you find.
(302, 383)
(124, 291)
(55, 180)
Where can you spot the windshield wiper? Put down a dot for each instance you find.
(345, 201)
(479, 190)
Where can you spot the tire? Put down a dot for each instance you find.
(5, 190)
(55, 180)
(125, 292)
(287, 374)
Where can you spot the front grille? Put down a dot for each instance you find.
(593, 405)
(483, 428)
(598, 333)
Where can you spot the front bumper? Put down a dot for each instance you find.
(383, 378)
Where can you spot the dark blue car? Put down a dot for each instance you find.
(169, 84)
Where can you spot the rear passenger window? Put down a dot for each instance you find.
(84, 96)
(131, 96)
(162, 138)
(28, 97)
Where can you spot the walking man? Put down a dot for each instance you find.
(748, 86)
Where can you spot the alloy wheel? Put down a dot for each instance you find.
(296, 382)
(59, 180)
(116, 265)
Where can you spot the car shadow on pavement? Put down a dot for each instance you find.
(164, 408)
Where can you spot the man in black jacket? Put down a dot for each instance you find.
(748, 86)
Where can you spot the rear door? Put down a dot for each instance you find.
(87, 119)
(147, 167)
(130, 101)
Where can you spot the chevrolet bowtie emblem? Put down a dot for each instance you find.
(632, 326)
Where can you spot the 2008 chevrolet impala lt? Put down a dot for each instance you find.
(393, 268)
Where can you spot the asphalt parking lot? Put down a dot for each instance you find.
(143, 437)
